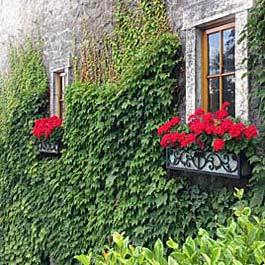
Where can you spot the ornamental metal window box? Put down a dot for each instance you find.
(47, 148)
(213, 163)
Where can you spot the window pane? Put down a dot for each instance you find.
(213, 94)
(229, 50)
(214, 53)
(229, 92)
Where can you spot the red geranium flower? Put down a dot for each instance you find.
(218, 145)
(227, 124)
(197, 127)
(221, 114)
(218, 130)
(189, 139)
(202, 130)
(225, 105)
(236, 129)
(45, 126)
(251, 132)
(199, 112)
(208, 118)
(168, 125)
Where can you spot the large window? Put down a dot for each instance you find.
(219, 67)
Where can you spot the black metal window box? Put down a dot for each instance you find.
(47, 148)
(213, 163)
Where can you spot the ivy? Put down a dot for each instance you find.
(111, 177)
(25, 97)
(254, 33)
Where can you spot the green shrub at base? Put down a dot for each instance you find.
(241, 242)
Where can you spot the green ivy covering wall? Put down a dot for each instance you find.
(111, 174)
(255, 35)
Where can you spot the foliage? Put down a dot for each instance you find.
(20, 235)
(240, 242)
(111, 176)
(208, 131)
(102, 57)
(254, 33)
(21, 80)
(135, 27)
(94, 61)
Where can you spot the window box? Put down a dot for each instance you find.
(214, 163)
(49, 134)
(48, 148)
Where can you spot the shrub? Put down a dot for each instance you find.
(241, 242)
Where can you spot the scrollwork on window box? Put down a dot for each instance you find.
(45, 147)
(214, 163)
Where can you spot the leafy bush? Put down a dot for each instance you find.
(241, 242)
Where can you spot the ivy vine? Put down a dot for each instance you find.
(254, 33)
(111, 177)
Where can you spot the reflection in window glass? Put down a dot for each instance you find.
(229, 50)
(229, 92)
(213, 94)
(214, 53)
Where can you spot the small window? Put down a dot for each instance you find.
(219, 67)
(60, 89)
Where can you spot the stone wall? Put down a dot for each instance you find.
(59, 23)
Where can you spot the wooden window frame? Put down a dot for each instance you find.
(205, 63)
(60, 86)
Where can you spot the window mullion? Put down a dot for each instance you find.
(205, 70)
(221, 71)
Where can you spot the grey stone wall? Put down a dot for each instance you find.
(59, 23)
(56, 21)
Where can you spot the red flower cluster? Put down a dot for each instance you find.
(205, 129)
(45, 126)
(218, 144)
(168, 125)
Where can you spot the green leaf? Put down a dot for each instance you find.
(84, 259)
(172, 244)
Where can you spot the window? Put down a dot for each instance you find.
(219, 67)
(60, 91)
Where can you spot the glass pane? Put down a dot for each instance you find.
(229, 50)
(213, 94)
(214, 53)
(229, 92)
